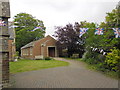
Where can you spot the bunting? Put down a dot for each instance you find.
(99, 50)
(2, 23)
(83, 31)
(117, 32)
(99, 31)
(37, 28)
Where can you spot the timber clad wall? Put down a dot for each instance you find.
(45, 47)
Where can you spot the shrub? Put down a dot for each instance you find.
(74, 56)
(90, 61)
(48, 58)
(91, 57)
(16, 56)
(113, 59)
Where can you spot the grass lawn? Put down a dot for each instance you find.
(24, 65)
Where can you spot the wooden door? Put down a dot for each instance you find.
(51, 51)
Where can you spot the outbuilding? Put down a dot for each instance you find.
(45, 47)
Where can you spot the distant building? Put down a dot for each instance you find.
(11, 42)
(45, 47)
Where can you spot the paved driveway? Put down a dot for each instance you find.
(73, 76)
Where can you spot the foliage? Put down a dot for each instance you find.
(30, 65)
(98, 67)
(16, 55)
(107, 42)
(25, 23)
(91, 40)
(113, 18)
(68, 39)
(48, 58)
(75, 56)
(113, 59)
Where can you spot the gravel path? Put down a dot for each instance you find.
(73, 76)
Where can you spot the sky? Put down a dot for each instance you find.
(61, 12)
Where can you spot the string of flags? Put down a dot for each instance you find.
(37, 28)
(99, 31)
(2, 23)
(100, 50)
(117, 32)
(83, 31)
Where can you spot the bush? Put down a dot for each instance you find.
(74, 56)
(16, 56)
(113, 60)
(91, 57)
(90, 61)
(48, 58)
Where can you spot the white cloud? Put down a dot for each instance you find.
(61, 12)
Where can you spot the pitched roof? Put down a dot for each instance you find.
(28, 45)
(31, 44)
(46, 37)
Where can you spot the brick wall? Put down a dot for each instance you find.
(40, 47)
(26, 53)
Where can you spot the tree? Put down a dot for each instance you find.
(68, 39)
(91, 41)
(111, 21)
(113, 18)
(106, 42)
(25, 33)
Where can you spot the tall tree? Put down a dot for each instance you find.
(91, 41)
(68, 39)
(110, 43)
(112, 20)
(25, 29)
(97, 44)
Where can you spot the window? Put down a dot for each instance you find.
(31, 51)
(26, 51)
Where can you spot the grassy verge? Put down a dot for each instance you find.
(24, 65)
(77, 59)
(111, 74)
(95, 67)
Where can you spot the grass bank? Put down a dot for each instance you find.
(111, 74)
(95, 67)
(24, 65)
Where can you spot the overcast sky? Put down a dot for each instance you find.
(61, 12)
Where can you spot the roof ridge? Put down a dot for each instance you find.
(32, 43)
(28, 45)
